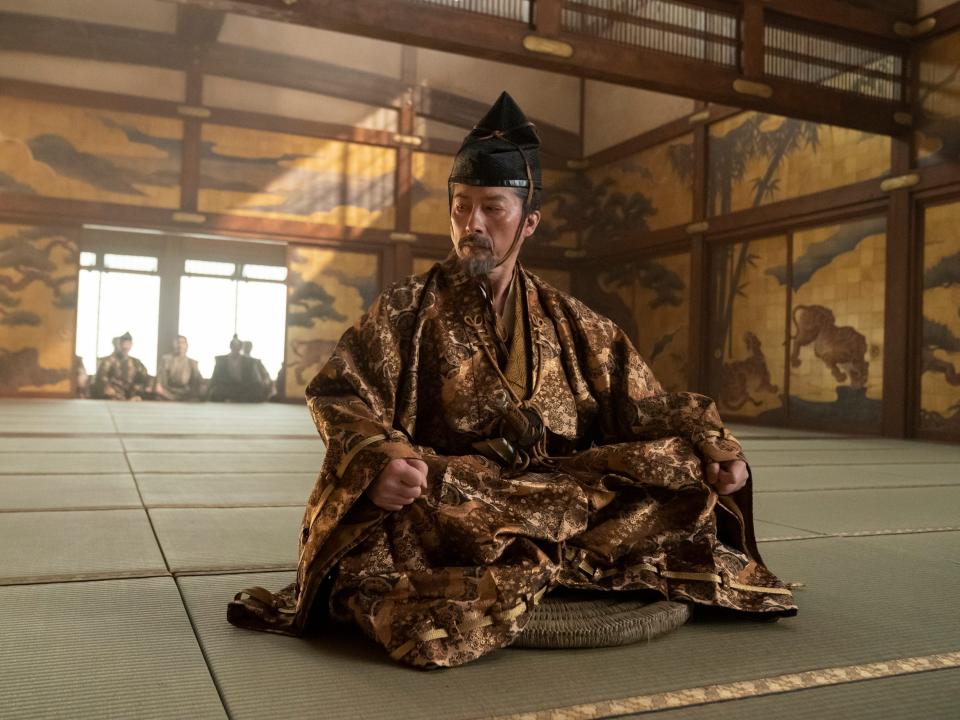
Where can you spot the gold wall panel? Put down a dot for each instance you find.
(747, 327)
(257, 173)
(940, 354)
(38, 301)
(76, 153)
(938, 137)
(837, 320)
(557, 225)
(755, 159)
(650, 300)
(650, 190)
(429, 205)
(328, 291)
(422, 264)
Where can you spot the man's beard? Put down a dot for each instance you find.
(477, 264)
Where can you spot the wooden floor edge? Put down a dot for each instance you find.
(721, 692)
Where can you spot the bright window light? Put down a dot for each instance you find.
(143, 263)
(110, 304)
(88, 259)
(265, 272)
(88, 313)
(208, 317)
(207, 267)
(261, 319)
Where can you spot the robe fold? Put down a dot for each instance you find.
(614, 497)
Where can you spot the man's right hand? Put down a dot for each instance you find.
(399, 483)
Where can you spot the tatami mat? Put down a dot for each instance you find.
(224, 445)
(228, 538)
(907, 455)
(55, 426)
(859, 510)
(830, 444)
(225, 462)
(767, 479)
(944, 546)
(96, 444)
(67, 492)
(213, 419)
(225, 486)
(38, 463)
(744, 431)
(853, 611)
(40, 546)
(922, 696)
(227, 490)
(767, 531)
(113, 649)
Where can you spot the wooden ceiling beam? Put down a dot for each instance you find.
(198, 28)
(830, 13)
(457, 31)
(90, 41)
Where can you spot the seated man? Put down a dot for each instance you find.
(178, 376)
(490, 439)
(262, 373)
(235, 377)
(120, 376)
(82, 380)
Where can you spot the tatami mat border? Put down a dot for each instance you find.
(140, 575)
(861, 533)
(744, 689)
(153, 435)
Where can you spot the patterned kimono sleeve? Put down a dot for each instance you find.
(140, 380)
(352, 400)
(163, 377)
(644, 411)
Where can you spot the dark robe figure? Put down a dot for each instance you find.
(236, 377)
(265, 379)
(552, 457)
(120, 376)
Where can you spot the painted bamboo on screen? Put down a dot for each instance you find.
(756, 159)
(747, 322)
(940, 351)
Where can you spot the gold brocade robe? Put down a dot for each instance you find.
(617, 502)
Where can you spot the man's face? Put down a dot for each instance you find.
(483, 224)
(235, 346)
(125, 346)
(180, 345)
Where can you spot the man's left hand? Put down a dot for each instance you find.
(728, 476)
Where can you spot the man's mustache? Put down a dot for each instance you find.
(481, 241)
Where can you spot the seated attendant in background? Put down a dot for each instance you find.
(236, 377)
(178, 376)
(120, 376)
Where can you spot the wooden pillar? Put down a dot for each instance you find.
(170, 266)
(903, 299)
(901, 303)
(190, 149)
(751, 62)
(400, 258)
(546, 20)
(698, 361)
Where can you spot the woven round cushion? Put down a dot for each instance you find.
(569, 622)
